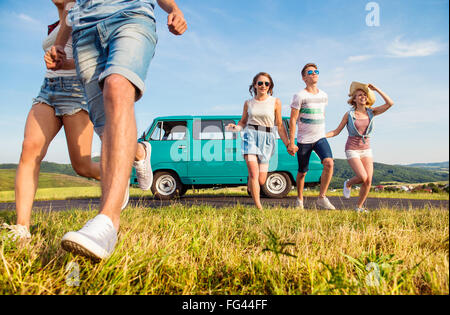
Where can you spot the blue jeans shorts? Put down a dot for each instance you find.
(259, 143)
(321, 147)
(64, 94)
(123, 44)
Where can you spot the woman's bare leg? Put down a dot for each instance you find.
(365, 187)
(41, 127)
(253, 179)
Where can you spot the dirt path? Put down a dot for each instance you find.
(227, 201)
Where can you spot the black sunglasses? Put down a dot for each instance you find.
(260, 83)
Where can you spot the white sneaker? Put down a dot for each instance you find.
(16, 232)
(299, 204)
(126, 198)
(325, 203)
(347, 191)
(143, 168)
(95, 240)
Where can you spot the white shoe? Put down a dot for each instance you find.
(143, 168)
(325, 203)
(95, 240)
(126, 198)
(16, 232)
(347, 191)
(299, 204)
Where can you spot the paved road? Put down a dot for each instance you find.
(219, 202)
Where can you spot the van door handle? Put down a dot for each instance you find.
(181, 147)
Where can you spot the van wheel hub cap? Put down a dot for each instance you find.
(276, 183)
(166, 185)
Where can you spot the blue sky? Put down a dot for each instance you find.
(208, 70)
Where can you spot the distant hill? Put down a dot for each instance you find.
(443, 166)
(46, 180)
(390, 173)
(46, 167)
(429, 172)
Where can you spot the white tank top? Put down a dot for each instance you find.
(262, 113)
(47, 44)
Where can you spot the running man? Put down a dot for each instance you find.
(113, 43)
(308, 112)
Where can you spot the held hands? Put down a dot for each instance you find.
(55, 58)
(176, 22)
(292, 149)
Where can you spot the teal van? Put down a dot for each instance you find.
(197, 152)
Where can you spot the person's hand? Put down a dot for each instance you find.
(233, 128)
(373, 87)
(55, 58)
(292, 149)
(176, 22)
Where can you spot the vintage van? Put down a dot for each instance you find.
(198, 152)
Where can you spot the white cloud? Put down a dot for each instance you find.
(423, 48)
(359, 58)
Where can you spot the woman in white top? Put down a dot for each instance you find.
(261, 114)
(61, 102)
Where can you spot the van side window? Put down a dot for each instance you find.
(208, 130)
(229, 135)
(156, 135)
(174, 130)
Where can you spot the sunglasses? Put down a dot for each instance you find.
(311, 72)
(260, 83)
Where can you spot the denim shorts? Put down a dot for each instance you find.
(123, 44)
(259, 143)
(64, 94)
(321, 147)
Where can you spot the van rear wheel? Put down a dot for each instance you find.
(166, 186)
(277, 185)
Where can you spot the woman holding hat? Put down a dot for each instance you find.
(359, 123)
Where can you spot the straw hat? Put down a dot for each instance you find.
(371, 98)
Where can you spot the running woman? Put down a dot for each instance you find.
(261, 114)
(359, 123)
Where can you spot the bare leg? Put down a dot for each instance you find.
(361, 176)
(300, 185)
(41, 127)
(79, 132)
(118, 144)
(327, 175)
(365, 188)
(253, 179)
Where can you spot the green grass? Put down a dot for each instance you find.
(63, 193)
(239, 250)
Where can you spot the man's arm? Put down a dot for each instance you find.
(175, 21)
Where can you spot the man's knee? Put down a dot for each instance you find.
(82, 169)
(328, 164)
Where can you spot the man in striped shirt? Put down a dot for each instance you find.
(308, 113)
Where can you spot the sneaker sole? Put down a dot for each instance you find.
(76, 243)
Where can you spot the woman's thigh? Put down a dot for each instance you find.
(41, 127)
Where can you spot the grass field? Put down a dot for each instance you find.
(239, 250)
(63, 193)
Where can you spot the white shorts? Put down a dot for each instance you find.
(358, 154)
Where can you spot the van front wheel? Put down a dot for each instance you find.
(166, 185)
(277, 185)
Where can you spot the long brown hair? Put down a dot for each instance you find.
(252, 88)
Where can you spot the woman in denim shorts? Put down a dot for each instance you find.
(359, 123)
(261, 113)
(61, 102)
